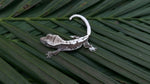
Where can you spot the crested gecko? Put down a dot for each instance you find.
(55, 41)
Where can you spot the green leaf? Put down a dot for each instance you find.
(9, 75)
(120, 32)
(5, 3)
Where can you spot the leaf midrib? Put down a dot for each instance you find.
(67, 18)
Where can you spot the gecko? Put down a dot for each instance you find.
(55, 41)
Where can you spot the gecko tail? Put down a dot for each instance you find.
(85, 21)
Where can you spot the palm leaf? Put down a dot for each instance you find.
(120, 31)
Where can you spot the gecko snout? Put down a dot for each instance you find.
(42, 39)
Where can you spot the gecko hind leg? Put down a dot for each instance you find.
(89, 46)
(52, 53)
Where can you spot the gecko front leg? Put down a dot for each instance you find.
(51, 53)
(89, 46)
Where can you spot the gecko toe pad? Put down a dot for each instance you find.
(92, 49)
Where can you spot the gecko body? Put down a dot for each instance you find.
(55, 41)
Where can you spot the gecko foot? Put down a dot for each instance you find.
(89, 46)
(52, 53)
(92, 49)
(49, 54)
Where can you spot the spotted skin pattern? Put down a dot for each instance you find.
(55, 41)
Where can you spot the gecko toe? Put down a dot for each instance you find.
(49, 54)
(92, 49)
(48, 57)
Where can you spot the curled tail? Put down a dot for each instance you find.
(85, 21)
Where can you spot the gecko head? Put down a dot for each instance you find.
(44, 40)
(50, 40)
